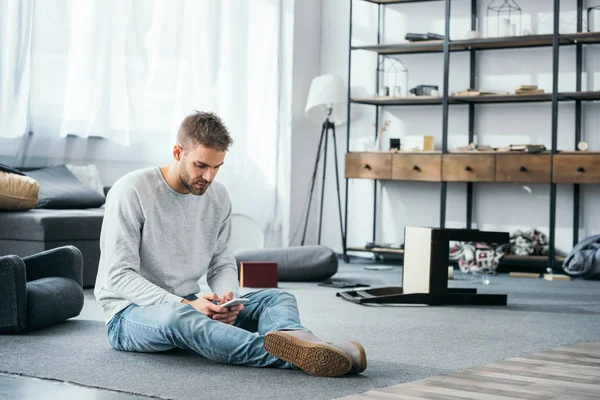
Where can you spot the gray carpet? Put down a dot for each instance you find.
(403, 343)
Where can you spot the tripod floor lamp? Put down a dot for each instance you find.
(326, 104)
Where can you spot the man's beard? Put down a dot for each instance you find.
(187, 182)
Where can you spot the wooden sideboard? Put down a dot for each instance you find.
(568, 167)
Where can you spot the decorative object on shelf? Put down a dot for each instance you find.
(472, 35)
(418, 143)
(527, 148)
(593, 18)
(393, 77)
(425, 90)
(582, 146)
(477, 92)
(379, 139)
(326, 104)
(506, 13)
(423, 37)
(394, 144)
(475, 147)
(528, 89)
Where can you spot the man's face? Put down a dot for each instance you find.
(198, 167)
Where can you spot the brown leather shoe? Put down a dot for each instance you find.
(357, 352)
(307, 352)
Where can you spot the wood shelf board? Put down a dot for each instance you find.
(514, 257)
(495, 43)
(413, 153)
(414, 101)
(375, 250)
(495, 98)
(582, 37)
(501, 153)
(578, 152)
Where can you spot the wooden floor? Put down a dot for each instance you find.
(565, 373)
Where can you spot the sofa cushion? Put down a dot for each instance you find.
(60, 189)
(17, 192)
(8, 168)
(48, 225)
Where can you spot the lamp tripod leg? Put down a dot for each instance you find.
(312, 184)
(337, 181)
(326, 130)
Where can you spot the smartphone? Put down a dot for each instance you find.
(235, 302)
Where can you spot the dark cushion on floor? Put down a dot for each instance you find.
(50, 225)
(52, 299)
(296, 264)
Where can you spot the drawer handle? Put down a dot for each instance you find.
(523, 169)
(367, 166)
(580, 169)
(467, 168)
(416, 168)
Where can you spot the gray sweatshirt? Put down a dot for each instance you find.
(157, 243)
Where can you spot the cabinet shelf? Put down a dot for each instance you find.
(487, 99)
(508, 260)
(498, 43)
(482, 167)
(554, 167)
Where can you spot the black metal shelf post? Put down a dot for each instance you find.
(380, 8)
(555, 51)
(578, 71)
(472, 84)
(445, 106)
(348, 104)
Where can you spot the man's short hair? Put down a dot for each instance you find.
(206, 129)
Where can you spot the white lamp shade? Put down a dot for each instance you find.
(327, 91)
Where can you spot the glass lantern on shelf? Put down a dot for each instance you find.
(393, 78)
(506, 15)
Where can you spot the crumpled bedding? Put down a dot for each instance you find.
(584, 260)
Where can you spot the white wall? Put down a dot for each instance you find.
(496, 206)
(305, 134)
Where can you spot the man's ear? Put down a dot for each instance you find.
(177, 152)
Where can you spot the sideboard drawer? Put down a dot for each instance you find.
(369, 165)
(523, 168)
(468, 167)
(417, 167)
(576, 168)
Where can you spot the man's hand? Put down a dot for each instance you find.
(230, 314)
(206, 306)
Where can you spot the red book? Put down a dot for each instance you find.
(258, 274)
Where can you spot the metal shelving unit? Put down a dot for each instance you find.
(446, 47)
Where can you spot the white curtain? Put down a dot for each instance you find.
(128, 71)
(16, 17)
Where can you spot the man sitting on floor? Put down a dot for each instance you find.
(163, 229)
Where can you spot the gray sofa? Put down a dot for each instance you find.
(68, 212)
(24, 233)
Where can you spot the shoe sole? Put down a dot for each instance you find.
(313, 358)
(363, 356)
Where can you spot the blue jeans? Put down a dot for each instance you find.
(162, 327)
